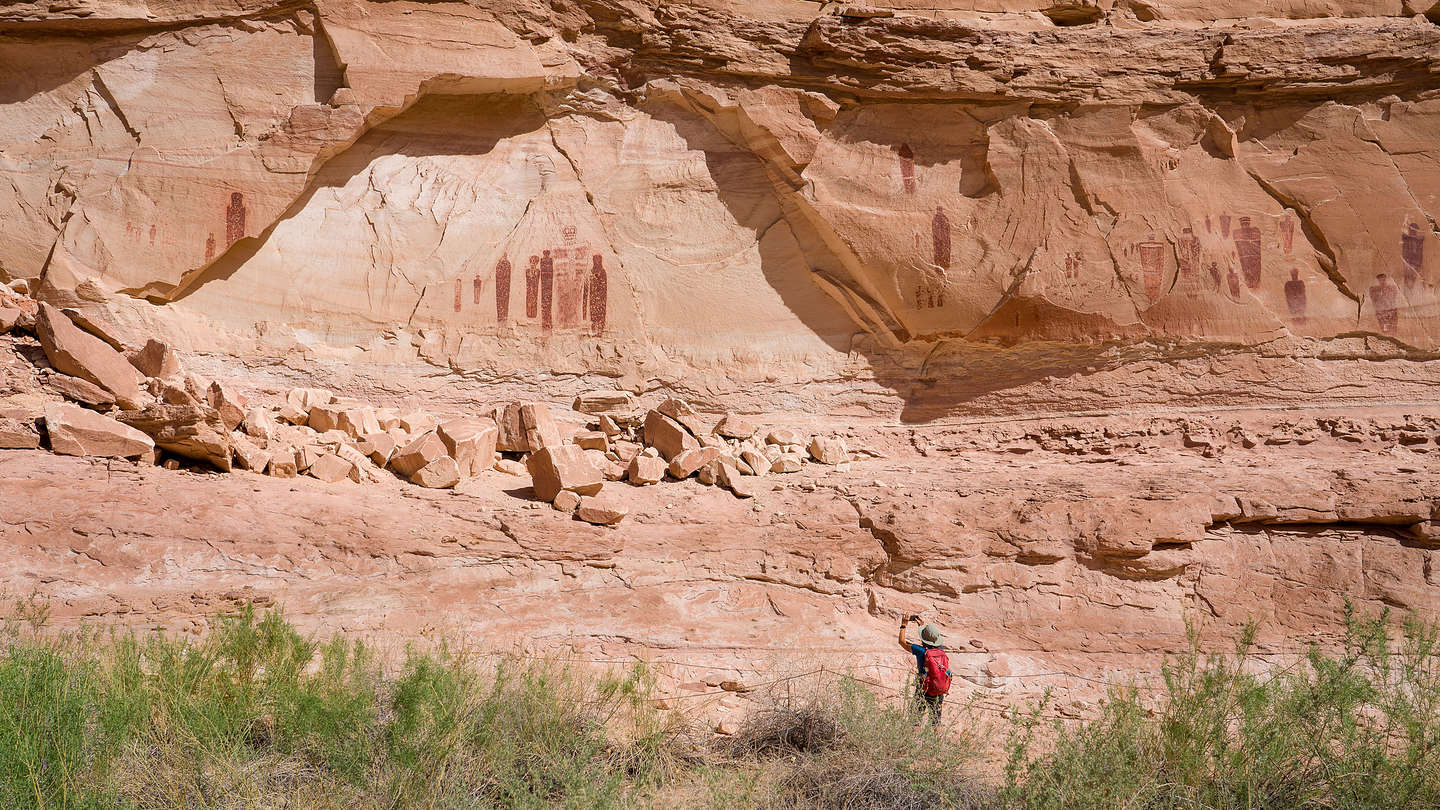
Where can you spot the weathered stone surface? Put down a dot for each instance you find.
(732, 426)
(539, 426)
(667, 435)
(282, 465)
(419, 453)
(191, 431)
(757, 463)
(379, 447)
(787, 463)
(592, 440)
(248, 455)
(512, 429)
(441, 473)
(828, 450)
(784, 436)
(331, 468)
(511, 467)
(18, 434)
(566, 501)
(562, 467)
(686, 464)
(303, 399)
(9, 316)
(227, 403)
(357, 421)
(646, 470)
(74, 431)
(156, 359)
(324, 417)
(78, 390)
(608, 403)
(471, 442)
(77, 353)
(680, 411)
(730, 477)
(601, 510)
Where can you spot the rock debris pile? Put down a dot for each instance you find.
(116, 401)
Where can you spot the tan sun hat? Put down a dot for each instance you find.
(930, 635)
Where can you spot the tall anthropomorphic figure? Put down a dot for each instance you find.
(597, 292)
(532, 289)
(547, 291)
(502, 289)
(1385, 298)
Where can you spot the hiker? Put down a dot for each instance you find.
(933, 681)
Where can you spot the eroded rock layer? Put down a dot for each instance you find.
(753, 192)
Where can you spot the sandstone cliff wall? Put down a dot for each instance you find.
(924, 206)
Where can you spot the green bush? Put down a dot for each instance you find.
(1353, 730)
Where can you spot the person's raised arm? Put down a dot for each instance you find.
(905, 625)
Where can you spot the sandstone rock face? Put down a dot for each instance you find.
(471, 443)
(18, 434)
(77, 432)
(78, 390)
(73, 351)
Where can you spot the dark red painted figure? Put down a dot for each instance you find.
(1295, 296)
(547, 290)
(940, 236)
(1189, 255)
(1247, 247)
(1152, 266)
(1287, 235)
(1385, 297)
(1214, 272)
(152, 234)
(502, 289)
(1225, 225)
(1234, 282)
(907, 167)
(210, 247)
(478, 286)
(459, 291)
(235, 219)
(596, 299)
(1412, 252)
(532, 288)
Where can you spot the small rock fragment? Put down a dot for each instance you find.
(230, 407)
(784, 436)
(566, 501)
(416, 455)
(732, 426)
(156, 360)
(592, 440)
(331, 468)
(687, 463)
(282, 465)
(511, 467)
(248, 455)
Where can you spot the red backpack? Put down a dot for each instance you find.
(937, 672)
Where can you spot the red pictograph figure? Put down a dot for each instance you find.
(1412, 253)
(210, 247)
(1385, 298)
(235, 219)
(479, 285)
(547, 291)
(459, 291)
(1209, 227)
(1295, 296)
(1287, 235)
(152, 235)
(1189, 255)
(940, 238)
(1225, 225)
(502, 289)
(1233, 280)
(1152, 266)
(907, 167)
(532, 288)
(1247, 247)
(572, 268)
(1072, 266)
(596, 297)
(1214, 272)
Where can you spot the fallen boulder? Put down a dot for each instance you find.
(612, 403)
(680, 411)
(562, 467)
(689, 462)
(248, 455)
(155, 360)
(756, 462)
(646, 470)
(74, 431)
(330, 468)
(226, 403)
(282, 466)
(191, 431)
(471, 442)
(784, 436)
(442, 473)
(828, 450)
(9, 317)
(416, 455)
(78, 390)
(735, 427)
(539, 425)
(667, 435)
(78, 353)
(602, 511)
(566, 502)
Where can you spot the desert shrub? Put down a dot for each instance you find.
(1357, 729)
(847, 748)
